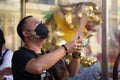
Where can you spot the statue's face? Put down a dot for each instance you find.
(74, 12)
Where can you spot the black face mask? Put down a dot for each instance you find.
(42, 30)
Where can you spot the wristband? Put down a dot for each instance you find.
(65, 48)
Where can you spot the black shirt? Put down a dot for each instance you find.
(19, 61)
(23, 55)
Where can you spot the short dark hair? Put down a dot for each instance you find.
(2, 39)
(20, 27)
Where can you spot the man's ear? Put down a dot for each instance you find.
(25, 33)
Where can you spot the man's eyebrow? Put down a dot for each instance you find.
(28, 30)
(37, 21)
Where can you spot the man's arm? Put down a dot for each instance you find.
(74, 66)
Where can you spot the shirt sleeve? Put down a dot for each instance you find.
(20, 59)
(7, 60)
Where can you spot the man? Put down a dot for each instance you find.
(29, 63)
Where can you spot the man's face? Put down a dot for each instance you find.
(30, 25)
(35, 29)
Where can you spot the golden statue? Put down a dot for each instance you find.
(68, 21)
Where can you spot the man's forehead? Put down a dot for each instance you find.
(32, 19)
(32, 22)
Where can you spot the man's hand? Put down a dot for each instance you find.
(7, 71)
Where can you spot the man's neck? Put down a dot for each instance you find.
(33, 47)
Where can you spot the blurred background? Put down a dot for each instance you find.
(11, 11)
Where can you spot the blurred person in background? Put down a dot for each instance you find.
(116, 70)
(5, 60)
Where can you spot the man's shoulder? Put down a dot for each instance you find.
(21, 49)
